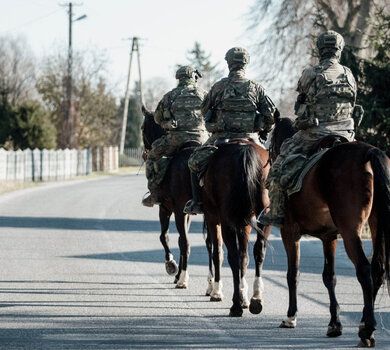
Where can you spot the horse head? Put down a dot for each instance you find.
(283, 130)
(151, 131)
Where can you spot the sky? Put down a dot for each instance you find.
(168, 29)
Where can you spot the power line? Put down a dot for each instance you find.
(37, 19)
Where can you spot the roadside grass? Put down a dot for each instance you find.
(10, 186)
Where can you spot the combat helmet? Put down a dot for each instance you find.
(330, 42)
(187, 72)
(237, 57)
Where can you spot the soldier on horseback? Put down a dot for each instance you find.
(235, 107)
(179, 115)
(325, 106)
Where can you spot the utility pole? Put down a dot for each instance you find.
(69, 125)
(134, 47)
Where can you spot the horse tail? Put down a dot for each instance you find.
(248, 184)
(381, 169)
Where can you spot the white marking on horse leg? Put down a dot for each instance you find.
(216, 294)
(183, 279)
(258, 288)
(210, 281)
(244, 293)
(290, 322)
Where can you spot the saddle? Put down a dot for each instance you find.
(315, 154)
(327, 142)
(189, 144)
(162, 164)
(237, 141)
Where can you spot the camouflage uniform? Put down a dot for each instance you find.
(179, 114)
(325, 105)
(235, 107)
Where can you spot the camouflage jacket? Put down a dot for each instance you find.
(179, 109)
(327, 94)
(237, 104)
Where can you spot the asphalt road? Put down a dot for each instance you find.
(82, 268)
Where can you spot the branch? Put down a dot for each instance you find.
(352, 13)
(332, 16)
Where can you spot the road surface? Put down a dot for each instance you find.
(82, 268)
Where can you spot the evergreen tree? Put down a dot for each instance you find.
(373, 78)
(134, 121)
(26, 126)
(198, 58)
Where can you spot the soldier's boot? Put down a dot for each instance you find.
(152, 199)
(275, 216)
(194, 206)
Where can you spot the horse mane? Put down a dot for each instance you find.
(283, 129)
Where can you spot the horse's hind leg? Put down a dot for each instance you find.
(215, 236)
(182, 224)
(291, 244)
(353, 246)
(170, 263)
(329, 278)
(259, 249)
(243, 241)
(210, 277)
(377, 266)
(230, 238)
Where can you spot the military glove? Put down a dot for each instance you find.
(263, 136)
(169, 125)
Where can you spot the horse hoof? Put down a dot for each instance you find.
(256, 306)
(215, 298)
(181, 286)
(235, 311)
(209, 290)
(334, 331)
(367, 343)
(171, 267)
(289, 323)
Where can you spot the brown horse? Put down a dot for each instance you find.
(349, 186)
(175, 192)
(234, 194)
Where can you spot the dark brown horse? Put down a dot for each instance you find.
(175, 192)
(349, 186)
(234, 194)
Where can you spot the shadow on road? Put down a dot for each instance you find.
(311, 257)
(90, 224)
(173, 332)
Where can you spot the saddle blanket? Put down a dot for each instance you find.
(297, 182)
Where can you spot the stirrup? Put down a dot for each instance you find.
(267, 220)
(150, 200)
(193, 208)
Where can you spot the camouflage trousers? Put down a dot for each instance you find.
(293, 156)
(199, 159)
(162, 151)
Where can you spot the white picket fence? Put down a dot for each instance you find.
(131, 156)
(48, 165)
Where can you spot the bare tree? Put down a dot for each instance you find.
(17, 70)
(285, 31)
(95, 109)
(155, 89)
